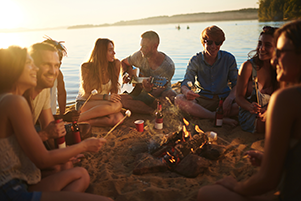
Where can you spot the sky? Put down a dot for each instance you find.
(38, 14)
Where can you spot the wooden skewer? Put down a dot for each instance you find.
(127, 114)
(92, 93)
(256, 89)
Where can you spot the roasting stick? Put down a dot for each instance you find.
(94, 92)
(127, 114)
(218, 137)
(256, 89)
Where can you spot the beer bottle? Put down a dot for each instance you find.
(75, 132)
(159, 116)
(218, 122)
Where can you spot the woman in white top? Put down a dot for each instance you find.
(22, 152)
(101, 72)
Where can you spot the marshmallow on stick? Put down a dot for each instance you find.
(93, 92)
(127, 114)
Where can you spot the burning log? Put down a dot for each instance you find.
(185, 152)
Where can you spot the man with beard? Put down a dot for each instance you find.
(154, 64)
(213, 69)
(46, 58)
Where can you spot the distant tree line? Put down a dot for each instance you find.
(276, 10)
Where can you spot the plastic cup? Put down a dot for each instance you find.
(139, 125)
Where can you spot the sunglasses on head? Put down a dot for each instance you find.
(269, 29)
(210, 42)
(59, 46)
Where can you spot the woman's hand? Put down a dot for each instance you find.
(262, 114)
(94, 144)
(114, 98)
(228, 182)
(254, 108)
(255, 157)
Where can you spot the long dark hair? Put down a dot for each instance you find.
(12, 63)
(266, 30)
(98, 66)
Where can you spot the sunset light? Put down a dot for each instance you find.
(11, 15)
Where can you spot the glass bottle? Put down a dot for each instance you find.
(218, 121)
(159, 117)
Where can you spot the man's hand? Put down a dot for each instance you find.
(55, 130)
(126, 78)
(71, 116)
(147, 85)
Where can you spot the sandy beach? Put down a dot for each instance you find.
(111, 169)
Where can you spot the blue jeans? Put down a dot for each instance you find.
(16, 190)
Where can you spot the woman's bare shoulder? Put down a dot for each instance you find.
(246, 66)
(13, 102)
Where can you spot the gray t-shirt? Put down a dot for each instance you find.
(166, 69)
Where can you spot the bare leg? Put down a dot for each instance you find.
(135, 106)
(218, 192)
(56, 168)
(94, 109)
(74, 196)
(109, 120)
(76, 179)
(194, 109)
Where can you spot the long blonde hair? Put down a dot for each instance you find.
(93, 72)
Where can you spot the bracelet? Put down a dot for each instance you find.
(104, 97)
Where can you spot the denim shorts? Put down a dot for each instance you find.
(16, 190)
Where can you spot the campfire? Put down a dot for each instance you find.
(184, 150)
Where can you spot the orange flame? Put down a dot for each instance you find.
(185, 122)
(197, 128)
(186, 133)
(172, 159)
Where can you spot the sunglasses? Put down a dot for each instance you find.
(59, 46)
(210, 42)
(279, 52)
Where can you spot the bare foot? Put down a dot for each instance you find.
(229, 121)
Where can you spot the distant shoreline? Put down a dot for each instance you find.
(241, 14)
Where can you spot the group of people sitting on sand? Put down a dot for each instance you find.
(32, 169)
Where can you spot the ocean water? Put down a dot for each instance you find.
(180, 45)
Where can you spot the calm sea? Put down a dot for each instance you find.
(180, 45)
